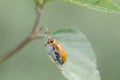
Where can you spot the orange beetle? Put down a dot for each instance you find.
(56, 51)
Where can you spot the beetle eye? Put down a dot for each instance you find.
(51, 41)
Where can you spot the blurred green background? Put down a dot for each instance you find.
(32, 63)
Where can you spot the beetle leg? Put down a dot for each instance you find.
(60, 61)
(58, 58)
(50, 51)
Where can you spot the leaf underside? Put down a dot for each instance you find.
(81, 62)
(102, 5)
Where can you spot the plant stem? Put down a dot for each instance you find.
(36, 24)
(32, 35)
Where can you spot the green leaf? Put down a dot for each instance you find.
(81, 62)
(102, 5)
(40, 3)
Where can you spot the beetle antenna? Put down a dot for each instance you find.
(47, 32)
